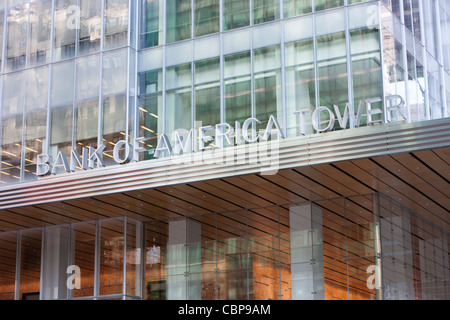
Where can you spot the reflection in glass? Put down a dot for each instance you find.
(64, 35)
(328, 4)
(265, 10)
(207, 92)
(150, 110)
(178, 20)
(236, 14)
(30, 264)
(300, 85)
(12, 124)
(90, 26)
(206, 17)
(111, 256)
(39, 38)
(2, 23)
(238, 97)
(151, 23)
(61, 108)
(116, 23)
(84, 257)
(114, 100)
(16, 41)
(267, 82)
(35, 118)
(178, 99)
(133, 258)
(8, 248)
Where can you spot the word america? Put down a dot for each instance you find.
(225, 134)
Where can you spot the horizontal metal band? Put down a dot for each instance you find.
(293, 152)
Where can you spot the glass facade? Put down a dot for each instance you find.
(81, 74)
(77, 74)
(309, 251)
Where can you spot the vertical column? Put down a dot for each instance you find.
(183, 258)
(306, 238)
(55, 262)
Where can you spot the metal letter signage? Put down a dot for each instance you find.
(322, 120)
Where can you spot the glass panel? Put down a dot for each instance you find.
(61, 102)
(300, 85)
(12, 123)
(233, 261)
(35, 118)
(90, 26)
(238, 99)
(206, 17)
(264, 248)
(333, 87)
(114, 100)
(65, 29)
(84, 257)
(300, 95)
(294, 8)
(361, 236)
(178, 21)
(40, 24)
(207, 93)
(366, 84)
(265, 10)
(111, 256)
(156, 241)
(178, 101)
(151, 23)
(236, 14)
(150, 110)
(30, 264)
(202, 257)
(55, 257)
(16, 41)
(8, 248)
(116, 23)
(331, 46)
(133, 258)
(328, 4)
(268, 99)
(2, 23)
(86, 106)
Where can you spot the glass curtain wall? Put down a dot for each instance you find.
(12, 125)
(267, 85)
(150, 110)
(363, 247)
(116, 23)
(151, 23)
(114, 100)
(238, 87)
(61, 108)
(35, 130)
(300, 84)
(86, 109)
(178, 99)
(207, 94)
(16, 38)
(90, 26)
(65, 29)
